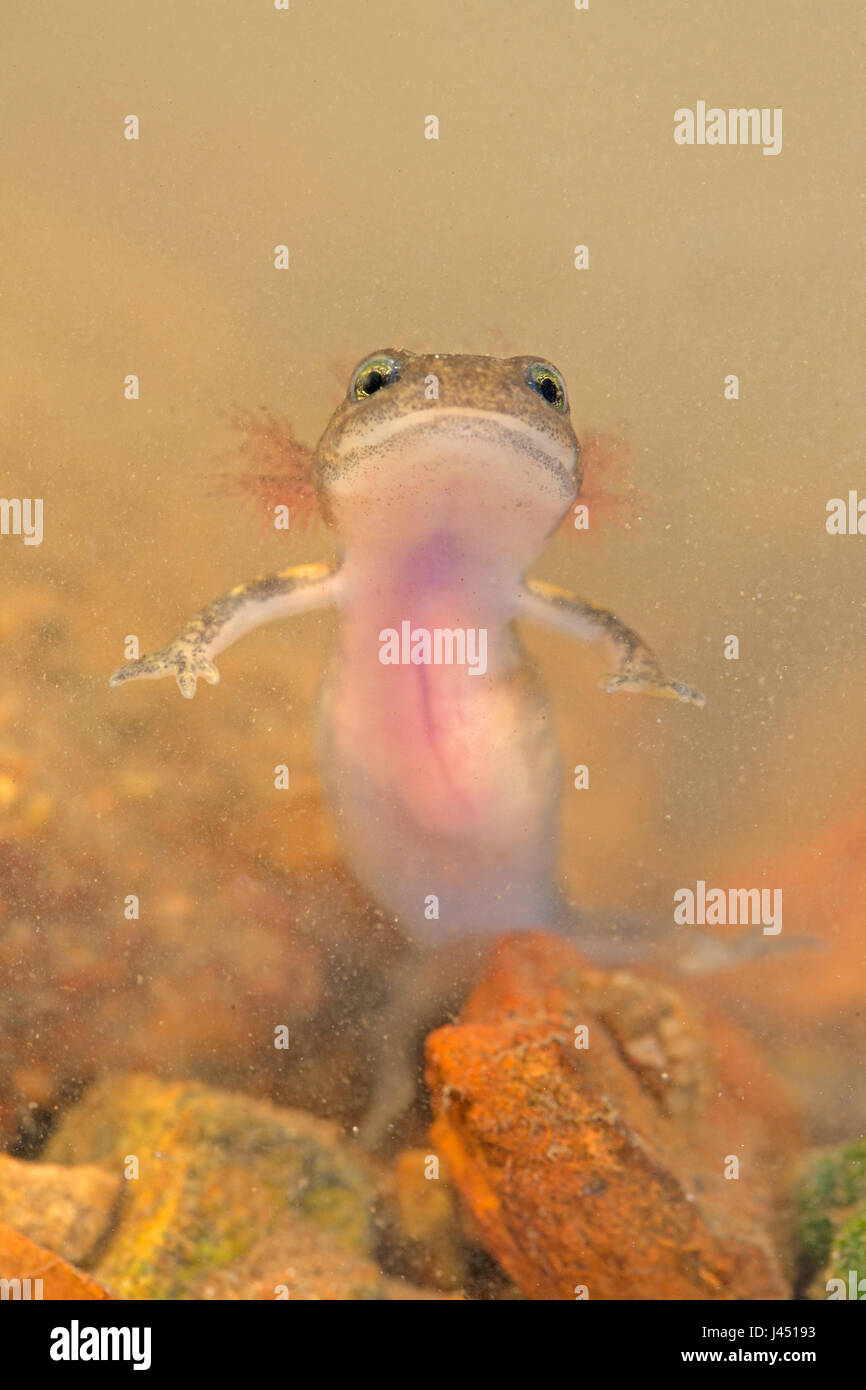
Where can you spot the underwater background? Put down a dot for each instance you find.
(155, 256)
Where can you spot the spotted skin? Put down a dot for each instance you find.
(188, 655)
(635, 666)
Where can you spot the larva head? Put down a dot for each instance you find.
(479, 446)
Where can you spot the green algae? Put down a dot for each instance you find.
(830, 1218)
(216, 1172)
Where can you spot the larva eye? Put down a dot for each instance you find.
(373, 375)
(549, 384)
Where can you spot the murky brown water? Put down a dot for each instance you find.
(155, 257)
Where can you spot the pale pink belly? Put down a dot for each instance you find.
(443, 783)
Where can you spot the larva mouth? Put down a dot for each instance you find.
(493, 483)
(477, 440)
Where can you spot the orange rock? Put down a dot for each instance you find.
(599, 1171)
(34, 1272)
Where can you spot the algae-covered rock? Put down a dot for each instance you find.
(831, 1223)
(298, 1261)
(67, 1210)
(207, 1175)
